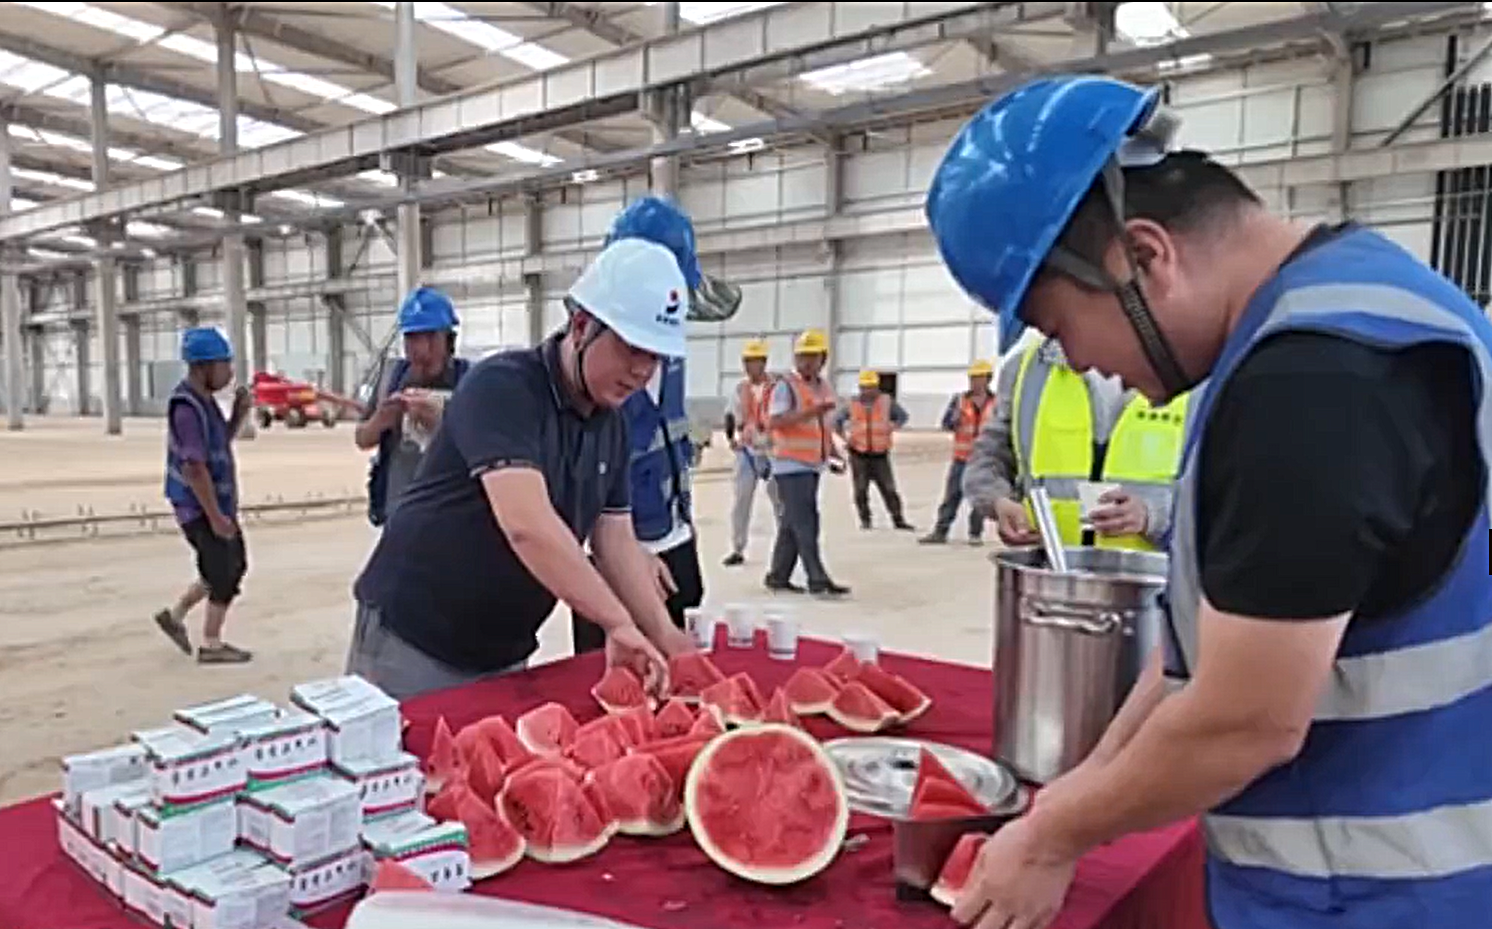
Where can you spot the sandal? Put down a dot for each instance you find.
(175, 630)
(223, 654)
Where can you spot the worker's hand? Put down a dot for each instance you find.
(1013, 525)
(1014, 884)
(422, 408)
(627, 647)
(243, 398)
(222, 526)
(676, 641)
(663, 579)
(390, 410)
(1121, 514)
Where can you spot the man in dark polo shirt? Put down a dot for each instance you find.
(530, 462)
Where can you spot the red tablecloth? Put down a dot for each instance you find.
(1150, 881)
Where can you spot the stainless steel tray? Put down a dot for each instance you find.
(879, 774)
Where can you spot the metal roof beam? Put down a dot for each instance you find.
(22, 115)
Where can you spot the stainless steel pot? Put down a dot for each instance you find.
(1068, 647)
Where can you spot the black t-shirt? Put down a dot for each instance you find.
(1336, 477)
(443, 575)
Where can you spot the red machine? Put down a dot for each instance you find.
(295, 403)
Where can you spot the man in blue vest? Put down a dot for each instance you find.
(409, 398)
(202, 485)
(658, 426)
(1322, 695)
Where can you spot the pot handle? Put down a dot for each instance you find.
(1056, 616)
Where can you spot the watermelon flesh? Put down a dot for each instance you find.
(619, 690)
(690, 674)
(444, 761)
(708, 724)
(500, 735)
(391, 875)
(766, 804)
(639, 793)
(779, 711)
(492, 844)
(558, 763)
(939, 794)
(905, 699)
(810, 691)
(859, 710)
(673, 720)
(554, 816)
(844, 667)
(676, 756)
(595, 748)
(484, 772)
(547, 730)
(736, 703)
(443, 805)
(959, 867)
(639, 725)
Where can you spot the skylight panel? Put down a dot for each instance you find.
(52, 179)
(524, 154)
(21, 203)
(701, 13)
(47, 254)
(1147, 23)
(484, 35)
(703, 123)
(874, 73)
(87, 241)
(142, 229)
(381, 178)
(306, 198)
(27, 75)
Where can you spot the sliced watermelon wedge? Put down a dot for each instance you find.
(676, 755)
(639, 725)
(959, 867)
(810, 691)
(674, 719)
(554, 816)
(690, 674)
(895, 690)
(708, 724)
(494, 846)
(859, 710)
(391, 875)
(640, 794)
(844, 667)
(444, 762)
(618, 690)
(596, 748)
(547, 730)
(485, 773)
(443, 805)
(779, 711)
(500, 735)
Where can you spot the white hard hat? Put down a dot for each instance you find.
(636, 288)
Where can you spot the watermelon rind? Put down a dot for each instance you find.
(547, 729)
(554, 854)
(619, 690)
(886, 716)
(809, 678)
(699, 774)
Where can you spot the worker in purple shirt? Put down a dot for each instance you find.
(202, 485)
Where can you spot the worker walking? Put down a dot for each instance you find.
(409, 398)
(531, 462)
(1059, 427)
(1321, 689)
(749, 437)
(964, 416)
(202, 485)
(866, 424)
(802, 446)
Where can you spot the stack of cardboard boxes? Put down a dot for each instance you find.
(242, 814)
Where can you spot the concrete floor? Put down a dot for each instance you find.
(81, 664)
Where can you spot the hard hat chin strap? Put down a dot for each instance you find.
(1131, 298)
(596, 330)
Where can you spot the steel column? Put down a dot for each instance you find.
(134, 397)
(84, 353)
(235, 301)
(406, 83)
(10, 305)
(105, 297)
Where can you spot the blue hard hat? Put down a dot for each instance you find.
(427, 310)
(1015, 174)
(204, 344)
(660, 220)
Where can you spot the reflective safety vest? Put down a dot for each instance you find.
(1384, 818)
(661, 455)
(970, 420)
(754, 400)
(217, 444)
(1052, 432)
(870, 425)
(806, 441)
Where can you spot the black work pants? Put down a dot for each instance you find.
(221, 563)
(683, 564)
(953, 495)
(798, 530)
(867, 469)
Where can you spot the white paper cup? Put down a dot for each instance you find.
(701, 628)
(866, 647)
(740, 627)
(782, 636)
(1088, 494)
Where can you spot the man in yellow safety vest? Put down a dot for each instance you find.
(1065, 429)
(966, 414)
(866, 424)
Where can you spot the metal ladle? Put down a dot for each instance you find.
(1046, 524)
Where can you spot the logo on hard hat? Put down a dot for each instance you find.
(670, 313)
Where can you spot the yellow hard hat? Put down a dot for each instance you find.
(981, 368)
(869, 378)
(754, 349)
(811, 342)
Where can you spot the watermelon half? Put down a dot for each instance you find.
(767, 804)
(547, 730)
(958, 868)
(810, 691)
(640, 795)
(895, 690)
(552, 813)
(689, 674)
(619, 690)
(856, 708)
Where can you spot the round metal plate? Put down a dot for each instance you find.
(879, 773)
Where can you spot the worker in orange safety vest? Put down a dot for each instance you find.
(866, 424)
(964, 417)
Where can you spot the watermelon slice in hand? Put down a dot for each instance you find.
(958, 868)
(779, 711)
(493, 845)
(766, 804)
(690, 674)
(391, 875)
(547, 730)
(638, 791)
(858, 709)
(844, 667)
(619, 690)
(905, 699)
(554, 816)
(810, 691)
(444, 762)
(673, 720)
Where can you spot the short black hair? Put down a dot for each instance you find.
(1184, 192)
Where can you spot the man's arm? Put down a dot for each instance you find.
(784, 411)
(898, 415)
(628, 569)
(992, 473)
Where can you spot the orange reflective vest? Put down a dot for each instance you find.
(754, 400)
(806, 441)
(970, 421)
(870, 425)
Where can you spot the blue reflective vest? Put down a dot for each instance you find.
(661, 455)
(218, 445)
(1384, 819)
(378, 468)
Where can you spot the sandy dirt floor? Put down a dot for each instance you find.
(81, 664)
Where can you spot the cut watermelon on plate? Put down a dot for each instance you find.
(444, 761)
(859, 710)
(690, 674)
(779, 711)
(638, 791)
(547, 730)
(895, 690)
(844, 667)
(767, 804)
(937, 799)
(810, 691)
(674, 719)
(553, 815)
(954, 876)
(391, 875)
(493, 845)
(618, 690)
